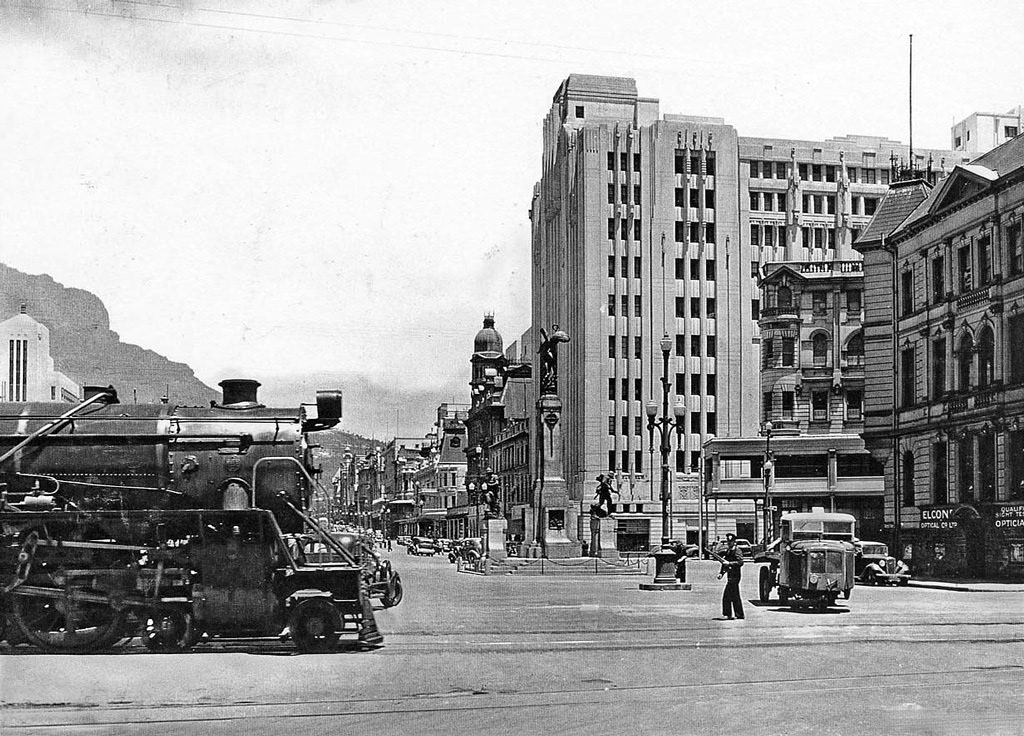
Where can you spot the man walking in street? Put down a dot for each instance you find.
(732, 564)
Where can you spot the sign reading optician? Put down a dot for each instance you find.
(1010, 516)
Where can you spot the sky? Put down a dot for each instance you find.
(339, 191)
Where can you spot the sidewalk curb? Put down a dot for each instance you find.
(955, 587)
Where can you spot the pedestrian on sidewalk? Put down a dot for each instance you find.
(732, 564)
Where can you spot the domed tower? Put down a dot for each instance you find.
(488, 352)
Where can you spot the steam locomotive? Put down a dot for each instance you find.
(168, 521)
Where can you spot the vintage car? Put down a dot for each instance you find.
(875, 566)
(422, 546)
(382, 581)
(812, 563)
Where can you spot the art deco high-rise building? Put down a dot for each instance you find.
(646, 226)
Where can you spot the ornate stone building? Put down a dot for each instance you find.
(944, 400)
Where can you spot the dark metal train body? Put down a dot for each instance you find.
(168, 521)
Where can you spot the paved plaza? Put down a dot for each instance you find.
(567, 655)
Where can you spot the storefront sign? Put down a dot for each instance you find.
(1010, 516)
(938, 519)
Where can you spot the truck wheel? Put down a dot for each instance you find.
(764, 584)
(315, 625)
(393, 595)
(168, 630)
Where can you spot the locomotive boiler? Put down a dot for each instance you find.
(169, 521)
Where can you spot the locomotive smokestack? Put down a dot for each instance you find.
(89, 391)
(239, 391)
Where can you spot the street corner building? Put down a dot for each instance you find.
(944, 365)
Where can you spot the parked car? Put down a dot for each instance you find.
(423, 546)
(875, 566)
(743, 545)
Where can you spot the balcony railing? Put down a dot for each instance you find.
(792, 312)
(973, 297)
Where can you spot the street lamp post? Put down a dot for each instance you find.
(766, 473)
(665, 558)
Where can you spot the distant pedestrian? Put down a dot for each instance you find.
(732, 564)
(389, 544)
(603, 494)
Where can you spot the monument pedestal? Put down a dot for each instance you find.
(494, 538)
(602, 538)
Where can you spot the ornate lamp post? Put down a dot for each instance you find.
(665, 573)
(766, 473)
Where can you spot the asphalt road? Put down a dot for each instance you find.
(565, 655)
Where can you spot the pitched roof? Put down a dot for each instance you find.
(1004, 158)
(902, 199)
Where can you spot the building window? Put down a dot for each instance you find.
(680, 345)
(709, 232)
(788, 352)
(694, 198)
(680, 307)
(855, 349)
(709, 198)
(694, 269)
(611, 389)
(695, 306)
(695, 384)
(854, 405)
(780, 170)
(852, 303)
(611, 305)
(802, 168)
(938, 279)
(769, 236)
(755, 309)
(984, 260)
(788, 400)
(965, 468)
(965, 356)
(711, 307)
(963, 255)
(712, 422)
(851, 173)
(1015, 328)
(818, 302)
(623, 162)
(987, 466)
(611, 228)
(611, 266)
(816, 172)
(907, 393)
(784, 296)
(637, 306)
(819, 237)
(625, 306)
(1010, 131)
(712, 384)
(1015, 247)
(709, 163)
(638, 461)
(611, 194)
(755, 235)
(755, 169)
(712, 346)
(636, 264)
(636, 162)
(680, 268)
(768, 351)
(766, 405)
(938, 367)
(579, 111)
(611, 161)
(821, 344)
(908, 478)
(695, 422)
(611, 346)
(638, 393)
(906, 293)
(625, 425)
(695, 346)
(636, 194)
(819, 406)
(694, 232)
(611, 460)
(695, 164)
(611, 425)
(869, 178)
(986, 357)
(940, 493)
(870, 203)
(638, 347)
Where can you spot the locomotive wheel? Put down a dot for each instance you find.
(393, 595)
(60, 625)
(764, 584)
(168, 630)
(315, 625)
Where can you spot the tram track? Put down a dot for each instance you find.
(40, 718)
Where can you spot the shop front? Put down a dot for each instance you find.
(964, 541)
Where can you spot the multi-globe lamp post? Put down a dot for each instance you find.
(766, 472)
(666, 557)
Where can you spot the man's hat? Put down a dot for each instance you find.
(729, 536)
(599, 477)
